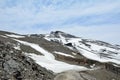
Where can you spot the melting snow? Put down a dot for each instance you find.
(48, 60)
(74, 53)
(54, 65)
(17, 47)
(3, 36)
(14, 36)
(38, 48)
(63, 54)
(96, 57)
(90, 50)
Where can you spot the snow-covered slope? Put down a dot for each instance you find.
(92, 49)
(48, 61)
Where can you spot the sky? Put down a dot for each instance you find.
(94, 19)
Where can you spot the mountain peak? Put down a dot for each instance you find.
(59, 34)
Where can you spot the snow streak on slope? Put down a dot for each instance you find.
(3, 36)
(48, 60)
(38, 48)
(64, 54)
(14, 36)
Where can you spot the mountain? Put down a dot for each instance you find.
(56, 56)
(97, 50)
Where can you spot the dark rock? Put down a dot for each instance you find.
(14, 65)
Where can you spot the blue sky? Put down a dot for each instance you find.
(95, 19)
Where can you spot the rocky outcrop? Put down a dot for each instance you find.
(14, 65)
(59, 33)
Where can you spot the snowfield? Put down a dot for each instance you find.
(54, 65)
(89, 50)
(48, 60)
(97, 57)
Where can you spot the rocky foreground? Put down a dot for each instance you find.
(14, 65)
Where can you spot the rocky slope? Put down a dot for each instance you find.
(14, 65)
(55, 55)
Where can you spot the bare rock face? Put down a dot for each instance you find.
(16, 66)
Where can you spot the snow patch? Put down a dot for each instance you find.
(14, 36)
(3, 36)
(64, 54)
(74, 53)
(17, 47)
(54, 65)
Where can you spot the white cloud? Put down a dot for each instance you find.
(106, 33)
(18, 15)
(24, 15)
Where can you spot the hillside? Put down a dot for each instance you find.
(49, 56)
